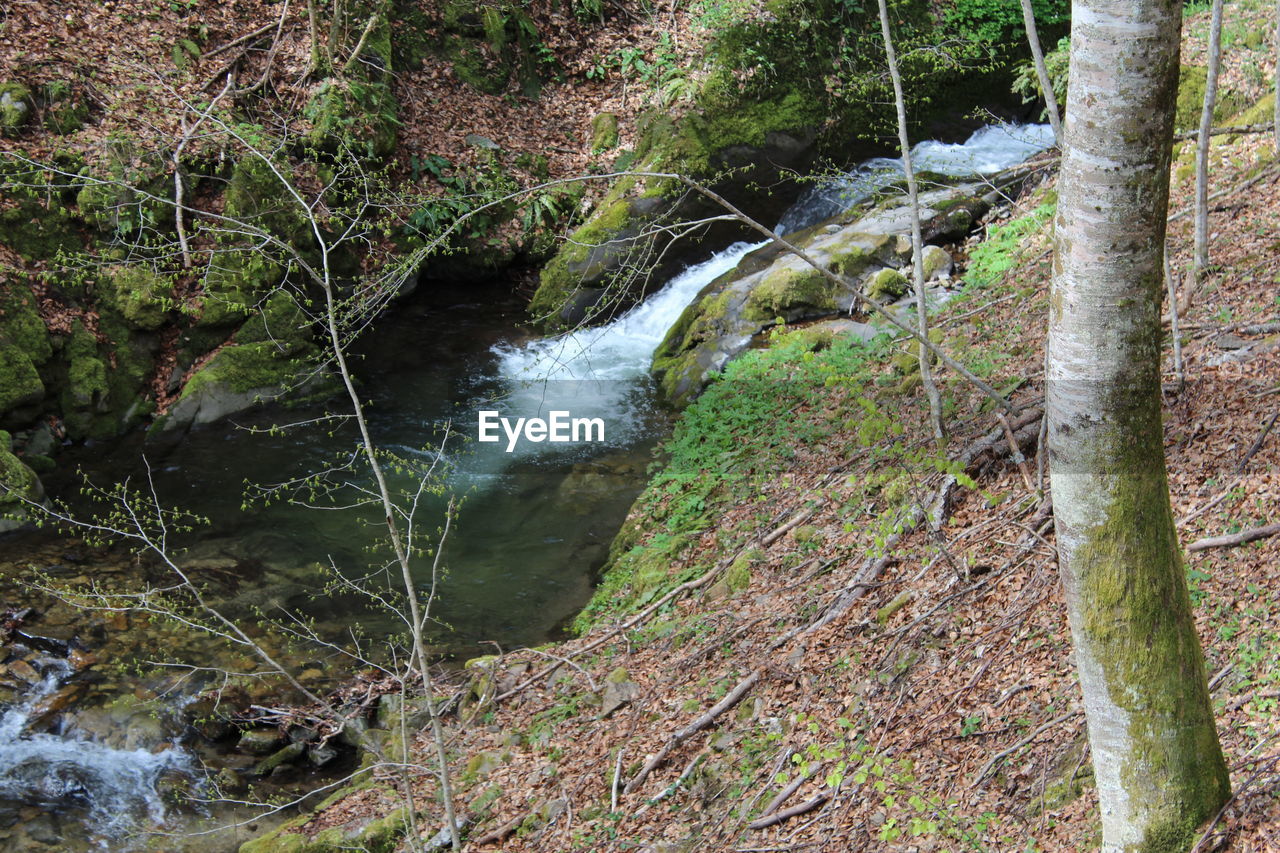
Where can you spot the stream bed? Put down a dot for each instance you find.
(533, 524)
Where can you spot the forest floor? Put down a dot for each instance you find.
(938, 710)
(937, 707)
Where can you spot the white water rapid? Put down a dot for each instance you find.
(597, 372)
(988, 150)
(74, 780)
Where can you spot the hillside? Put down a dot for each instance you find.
(815, 630)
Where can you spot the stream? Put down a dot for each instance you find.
(533, 524)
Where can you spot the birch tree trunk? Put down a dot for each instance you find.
(1157, 761)
(1200, 257)
(1042, 73)
(917, 241)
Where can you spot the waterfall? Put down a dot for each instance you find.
(598, 371)
(990, 149)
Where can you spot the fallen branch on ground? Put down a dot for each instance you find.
(794, 811)
(995, 759)
(1232, 539)
(733, 698)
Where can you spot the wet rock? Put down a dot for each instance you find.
(260, 741)
(24, 671)
(320, 756)
(230, 781)
(864, 250)
(46, 709)
(286, 755)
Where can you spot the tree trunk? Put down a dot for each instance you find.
(1042, 73)
(1275, 118)
(917, 241)
(1200, 258)
(1159, 767)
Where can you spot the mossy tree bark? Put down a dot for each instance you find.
(1157, 760)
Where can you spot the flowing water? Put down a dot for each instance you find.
(535, 521)
(989, 150)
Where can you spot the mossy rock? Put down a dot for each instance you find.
(936, 262)
(886, 285)
(127, 194)
(255, 195)
(788, 290)
(234, 282)
(1192, 80)
(20, 383)
(381, 835)
(604, 133)
(355, 115)
(575, 280)
(16, 107)
(21, 326)
(142, 296)
(17, 483)
(36, 227)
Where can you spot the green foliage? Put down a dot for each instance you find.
(1026, 82)
(473, 192)
(770, 405)
(996, 21)
(998, 253)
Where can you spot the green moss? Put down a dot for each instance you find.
(1139, 628)
(357, 114)
(1261, 112)
(65, 111)
(581, 259)
(738, 576)
(21, 326)
(109, 198)
(20, 383)
(786, 289)
(247, 367)
(256, 195)
(17, 481)
(86, 391)
(604, 132)
(1192, 80)
(851, 260)
(142, 296)
(38, 228)
(15, 107)
(234, 282)
(886, 285)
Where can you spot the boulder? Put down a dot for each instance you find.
(866, 248)
(15, 107)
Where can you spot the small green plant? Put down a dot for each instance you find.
(1026, 82)
(998, 253)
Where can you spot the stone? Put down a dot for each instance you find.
(937, 263)
(619, 690)
(886, 285)
(259, 741)
(484, 143)
(15, 107)
(279, 758)
(604, 133)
